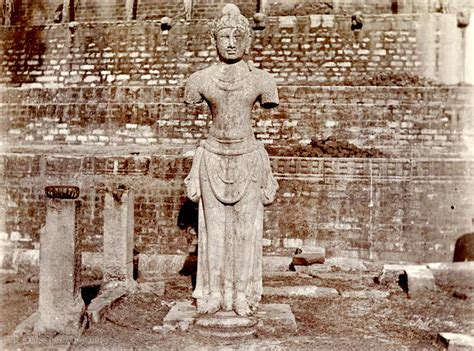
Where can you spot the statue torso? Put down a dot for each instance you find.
(230, 91)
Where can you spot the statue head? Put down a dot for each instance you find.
(231, 34)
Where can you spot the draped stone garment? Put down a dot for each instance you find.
(231, 190)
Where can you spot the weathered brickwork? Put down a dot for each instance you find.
(399, 121)
(392, 209)
(319, 49)
(98, 103)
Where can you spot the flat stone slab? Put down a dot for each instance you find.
(277, 316)
(304, 291)
(365, 294)
(457, 342)
(453, 274)
(102, 303)
(314, 269)
(182, 316)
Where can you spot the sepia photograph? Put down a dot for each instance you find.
(237, 175)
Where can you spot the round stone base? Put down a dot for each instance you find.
(226, 325)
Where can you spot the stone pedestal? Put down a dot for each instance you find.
(226, 325)
(61, 307)
(118, 236)
(269, 318)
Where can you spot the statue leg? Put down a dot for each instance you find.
(213, 211)
(245, 246)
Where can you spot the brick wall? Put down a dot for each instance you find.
(398, 121)
(296, 50)
(392, 209)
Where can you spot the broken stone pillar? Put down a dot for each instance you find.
(8, 10)
(61, 307)
(68, 11)
(118, 236)
(131, 10)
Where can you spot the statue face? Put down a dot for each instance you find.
(232, 44)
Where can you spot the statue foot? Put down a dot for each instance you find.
(210, 305)
(227, 304)
(241, 308)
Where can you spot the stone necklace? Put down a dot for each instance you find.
(230, 80)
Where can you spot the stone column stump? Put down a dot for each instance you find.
(118, 236)
(61, 307)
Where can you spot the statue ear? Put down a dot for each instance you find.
(213, 40)
(248, 44)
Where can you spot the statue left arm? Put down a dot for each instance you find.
(269, 91)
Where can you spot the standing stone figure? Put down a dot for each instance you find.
(231, 176)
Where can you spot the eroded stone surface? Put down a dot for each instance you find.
(307, 259)
(102, 303)
(365, 294)
(453, 274)
(420, 280)
(277, 316)
(60, 306)
(181, 316)
(457, 342)
(118, 235)
(306, 291)
(269, 317)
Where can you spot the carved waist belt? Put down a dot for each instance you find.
(231, 147)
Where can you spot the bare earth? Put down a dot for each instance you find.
(396, 322)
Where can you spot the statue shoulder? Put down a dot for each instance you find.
(193, 90)
(202, 74)
(263, 75)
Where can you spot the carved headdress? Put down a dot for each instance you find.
(230, 18)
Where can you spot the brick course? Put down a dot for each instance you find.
(399, 121)
(315, 50)
(403, 209)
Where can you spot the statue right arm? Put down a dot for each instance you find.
(192, 95)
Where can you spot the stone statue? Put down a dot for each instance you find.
(231, 175)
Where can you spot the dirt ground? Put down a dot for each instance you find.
(396, 322)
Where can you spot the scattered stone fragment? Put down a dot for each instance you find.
(453, 274)
(366, 294)
(313, 269)
(33, 279)
(101, 304)
(181, 316)
(306, 291)
(458, 342)
(307, 259)
(420, 280)
(347, 263)
(391, 273)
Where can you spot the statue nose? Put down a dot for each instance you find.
(231, 42)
